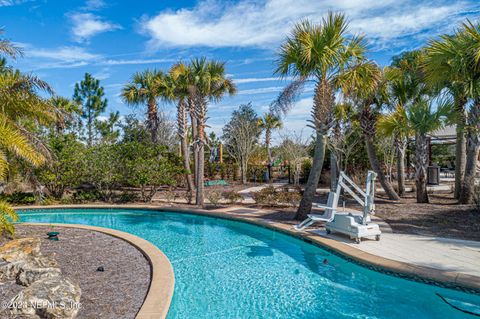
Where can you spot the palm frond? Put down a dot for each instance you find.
(286, 99)
(7, 216)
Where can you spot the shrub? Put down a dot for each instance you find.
(270, 196)
(266, 196)
(127, 197)
(188, 196)
(170, 195)
(290, 198)
(306, 167)
(86, 195)
(19, 198)
(232, 197)
(214, 197)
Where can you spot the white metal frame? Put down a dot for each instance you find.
(345, 183)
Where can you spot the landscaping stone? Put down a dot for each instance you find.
(50, 298)
(10, 270)
(30, 274)
(20, 249)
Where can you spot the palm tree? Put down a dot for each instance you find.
(67, 110)
(210, 84)
(146, 88)
(453, 62)
(179, 91)
(20, 101)
(405, 85)
(423, 119)
(364, 83)
(269, 122)
(317, 53)
(445, 69)
(396, 124)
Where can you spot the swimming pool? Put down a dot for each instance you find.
(230, 269)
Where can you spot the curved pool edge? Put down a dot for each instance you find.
(432, 276)
(162, 280)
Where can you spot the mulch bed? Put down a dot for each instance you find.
(118, 292)
(442, 217)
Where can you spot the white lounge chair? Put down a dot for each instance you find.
(329, 214)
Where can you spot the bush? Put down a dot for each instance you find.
(290, 198)
(270, 196)
(232, 197)
(19, 198)
(87, 195)
(127, 197)
(266, 196)
(306, 167)
(214, 197)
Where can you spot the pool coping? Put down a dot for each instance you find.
(433, 276)
(162, 278)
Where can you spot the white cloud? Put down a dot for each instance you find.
(213, 23)
(94, 4)
(103, 74)
(254, 80)
(136, 61)
(9, 3)
(87, 25)
(302, 107)
(65, 54)
(76, 56)
(261, 90)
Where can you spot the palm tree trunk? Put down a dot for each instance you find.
(368, 122)
(305, 206)
(421, 158)
(200, 146)
(199, 198)
(191, 108)
(152, 122)
(269, 152)
(323, 101)
(460, 147)
(267, 143)
(184, 149)
(473, 146)
(400, 148)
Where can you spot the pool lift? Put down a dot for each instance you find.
(356, 226)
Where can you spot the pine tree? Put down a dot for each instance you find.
(90, 94)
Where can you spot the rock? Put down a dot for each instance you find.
(29, 274)
(19, 249)
(51, 298)
(25, 271)
(10, 270)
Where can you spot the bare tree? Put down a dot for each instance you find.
(386, 146)
(166, 131)
(241, 136)
(293, 149)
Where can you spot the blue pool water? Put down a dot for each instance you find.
(229, 269)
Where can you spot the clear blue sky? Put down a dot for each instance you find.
(112, 39)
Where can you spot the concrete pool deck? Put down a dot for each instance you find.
(449, 262)
(446, 254)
